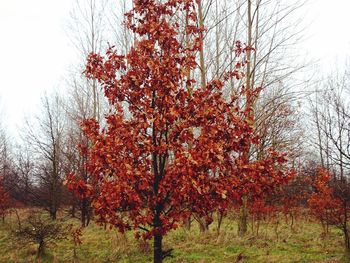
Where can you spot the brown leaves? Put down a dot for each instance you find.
(324, 204)
(177, 148)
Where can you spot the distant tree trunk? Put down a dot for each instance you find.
(258, 227)
(220, 218)
(346, 230)
(85, 218)
(203, 222)
(276, 228)
(243, 218)
(203, 225)
(18, 219)
(347, 243)
(73, 210)
(187, 223)
(53, 215)
(89, 214)
(292, 222)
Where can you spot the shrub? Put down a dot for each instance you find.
(37, 229)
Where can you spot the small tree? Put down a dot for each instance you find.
(330, 204)
(46, 140)
(259, 210)
(75, 235)
(40, 231)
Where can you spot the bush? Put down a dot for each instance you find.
(41, 231)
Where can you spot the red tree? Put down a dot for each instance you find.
(267, 196)
(169, 148)
(322, 203)
(330, 203)
(4, 200)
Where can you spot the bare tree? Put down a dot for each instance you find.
(330, 112)
(77, 109)
(87, 29)
(25, 169)
(46, 136)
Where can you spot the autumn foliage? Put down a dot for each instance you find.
(324, 205)
(330, 203)
(4, 200)
(169, 147)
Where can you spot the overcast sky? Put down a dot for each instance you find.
(35, 51)
(34, 54)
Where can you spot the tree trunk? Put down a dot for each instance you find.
(53, 213)
(73, 210)
(347, 243)
(346, 231)
(83, 218)
(41, 249)
(243, 218)
(258, 226)
(292, 222)
(204, 223)
(88, 218)
(220, 218)
(187, 223)
(324, 227)
(203, 227)
(157, 248)
(276, 229)
(83, 213)
(18, 219)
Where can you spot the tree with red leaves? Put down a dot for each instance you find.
(330, 204)
(322, 204)
(169, 148)
(4, 200)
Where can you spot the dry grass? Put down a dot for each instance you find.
(304, 244)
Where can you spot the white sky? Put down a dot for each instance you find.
(35, 51)
(329, 32)
(34, 54)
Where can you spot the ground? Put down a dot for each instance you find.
(304, 243)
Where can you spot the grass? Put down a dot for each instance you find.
(304, 244)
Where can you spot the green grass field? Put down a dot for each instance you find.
(304, 244)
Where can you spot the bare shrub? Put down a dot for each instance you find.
(36, 229)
